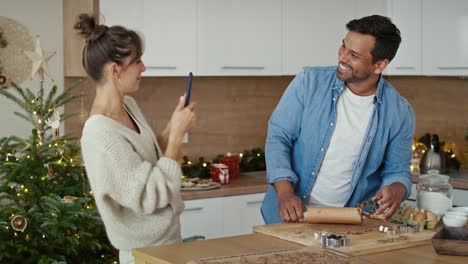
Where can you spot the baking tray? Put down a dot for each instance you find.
(451, 241)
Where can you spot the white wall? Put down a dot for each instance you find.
(43, 18)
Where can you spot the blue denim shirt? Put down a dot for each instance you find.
(300, 129)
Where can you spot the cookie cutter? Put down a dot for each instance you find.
(409, 229)
(387, 230)
(318, 235)
(401, 229)
(371, 202)
(332, 240)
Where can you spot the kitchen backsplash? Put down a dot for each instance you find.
(233, 111)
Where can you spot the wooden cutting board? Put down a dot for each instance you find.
(365, 238)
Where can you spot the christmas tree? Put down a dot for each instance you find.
(47, 211)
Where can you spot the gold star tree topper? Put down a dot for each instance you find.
(39, 59)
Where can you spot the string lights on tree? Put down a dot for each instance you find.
(47, 212)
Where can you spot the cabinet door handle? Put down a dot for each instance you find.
(452, 68)
(242, 67)
(405, 67)
(193, 209)
(162, 67)
(253, 202)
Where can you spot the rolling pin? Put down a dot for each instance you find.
(333, 215)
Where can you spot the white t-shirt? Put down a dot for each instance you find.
(332, 185)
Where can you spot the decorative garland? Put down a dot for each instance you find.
(249, 160)
(254, 159)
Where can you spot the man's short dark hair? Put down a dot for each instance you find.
(387, 35)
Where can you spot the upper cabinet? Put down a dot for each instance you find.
(170, 33)
(445, 37)
(311, 38)
(434, 37)
(313, 30)
(239, 37)
(168, 29)
(281, 37)
(121, 13)
(369, 7)
(406, 15)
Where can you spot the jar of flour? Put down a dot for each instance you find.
(434, 192)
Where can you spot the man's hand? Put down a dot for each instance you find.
(389, 199)
(291, 208)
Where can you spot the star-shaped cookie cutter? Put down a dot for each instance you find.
(371, 212)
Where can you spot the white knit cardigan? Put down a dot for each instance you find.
(137, 194)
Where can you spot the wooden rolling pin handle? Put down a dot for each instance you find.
(333, 215)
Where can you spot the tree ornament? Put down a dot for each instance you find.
(39, 59)
(50, 171)
(3, 80)
(19, 223)
(15, 185)
(40, 135)
(54, 123)
(54, 120)
(69, 199)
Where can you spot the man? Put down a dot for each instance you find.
(341, 135)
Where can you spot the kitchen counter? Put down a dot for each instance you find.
(255, 182)
(246, 183)
(459, 179)
(181, 253)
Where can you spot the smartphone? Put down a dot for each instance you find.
(189, 90)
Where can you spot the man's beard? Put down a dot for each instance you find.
(353, 78)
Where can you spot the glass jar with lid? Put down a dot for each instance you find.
(434, 192)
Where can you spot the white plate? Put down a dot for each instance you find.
(214, 185)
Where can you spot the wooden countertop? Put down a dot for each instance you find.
(246, 183)
(227, 246)
(255, 182)
(181, 253)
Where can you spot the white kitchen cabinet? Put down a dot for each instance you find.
(122, 13)
(241, 213)
(370, 7)
(406, 15)
(239, 37)
(168, 29)
(170, 36)
(445, 37)
(222, 216)
(281, 37)
(202, 217)
(311, 36)
(314, 30)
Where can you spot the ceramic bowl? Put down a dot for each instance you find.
(454, 213)
(454, 221)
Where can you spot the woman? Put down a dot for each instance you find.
(134, 177)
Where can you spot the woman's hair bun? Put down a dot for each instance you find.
(88, 28)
